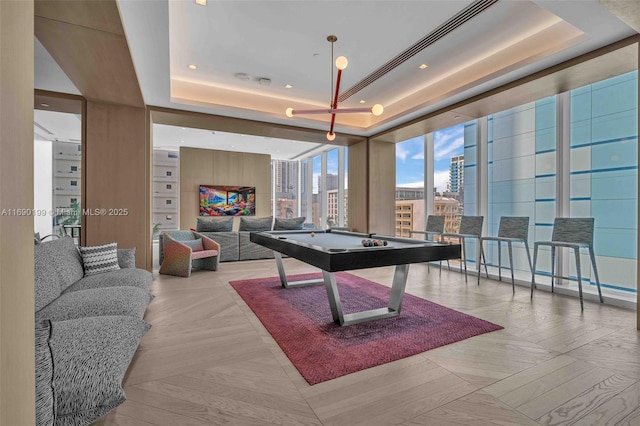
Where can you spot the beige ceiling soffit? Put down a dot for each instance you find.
(614, 59)
(447, 27)
(249, 127)
(207, 95)
(478, 70)
(87, 41)
(627, 11)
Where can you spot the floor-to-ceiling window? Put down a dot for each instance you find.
(604, 176)
(331, 192)
(285, 188)
(594, 128)
(410, 205)
(449, 175)
(521, 172)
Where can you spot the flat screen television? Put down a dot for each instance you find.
(223, 200)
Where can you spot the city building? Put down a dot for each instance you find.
(456, 174)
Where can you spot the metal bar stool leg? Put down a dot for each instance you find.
(595, 272)
(533, 269)
(513, 282)
(499, 261)
(553, 265)
(579, 272)
(464, 260)
(485, 266)
(526, 246)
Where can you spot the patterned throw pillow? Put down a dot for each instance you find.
(294, 223)
(256, 224)
(196, 245)
(99, 259)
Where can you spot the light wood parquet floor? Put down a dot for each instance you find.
(209, 361)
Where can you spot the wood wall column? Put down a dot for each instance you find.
(17, 372)
(372, 187)
(117, 163)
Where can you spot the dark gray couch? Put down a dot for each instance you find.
(87, 331)
(236, 245)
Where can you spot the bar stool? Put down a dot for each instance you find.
(574, 233)
(513, 229)
(470, 227)
(434, 228)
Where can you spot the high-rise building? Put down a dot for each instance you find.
(285, 175)
(332, 182)
(332, 207)
(456, 174)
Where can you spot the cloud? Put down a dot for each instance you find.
(419, 184)
(418, 156)
(448, 141)
(401, 152)
(444, 149)
(440, 180)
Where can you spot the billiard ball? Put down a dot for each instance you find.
(313, 234)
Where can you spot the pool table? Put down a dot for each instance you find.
(333, 251)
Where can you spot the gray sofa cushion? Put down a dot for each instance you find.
(228, 244)
(90, 357)
(64, 256)
(214, 224)
(45, 400)
(129, 301)
(288, 224)
(122, 277)
(252, 251)
(47, 279)
(256, 223)
(127, 258)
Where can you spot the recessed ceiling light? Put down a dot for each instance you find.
(362, 101)
(45, 105)
(288, 86)
(201, 2)
(423, 66)
(183, 128)
(181, 142)
(192, 67)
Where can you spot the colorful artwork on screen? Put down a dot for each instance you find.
(222, 200)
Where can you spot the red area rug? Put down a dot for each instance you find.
(299, 319)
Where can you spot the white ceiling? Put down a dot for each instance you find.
(285, 41)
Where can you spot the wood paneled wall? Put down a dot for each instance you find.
(213, 167)
(117, 160)
(382, 184)
(372, 187)
(358, 187)
(17, 389)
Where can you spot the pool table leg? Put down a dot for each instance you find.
(283, 276)
(334, 297)
(395, 299)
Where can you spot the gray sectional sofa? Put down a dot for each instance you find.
(235, 245)
(87, 331)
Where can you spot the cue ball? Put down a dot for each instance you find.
(313, 234)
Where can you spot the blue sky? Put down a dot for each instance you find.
(410, 157)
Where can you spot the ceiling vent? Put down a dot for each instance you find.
(450, 25)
